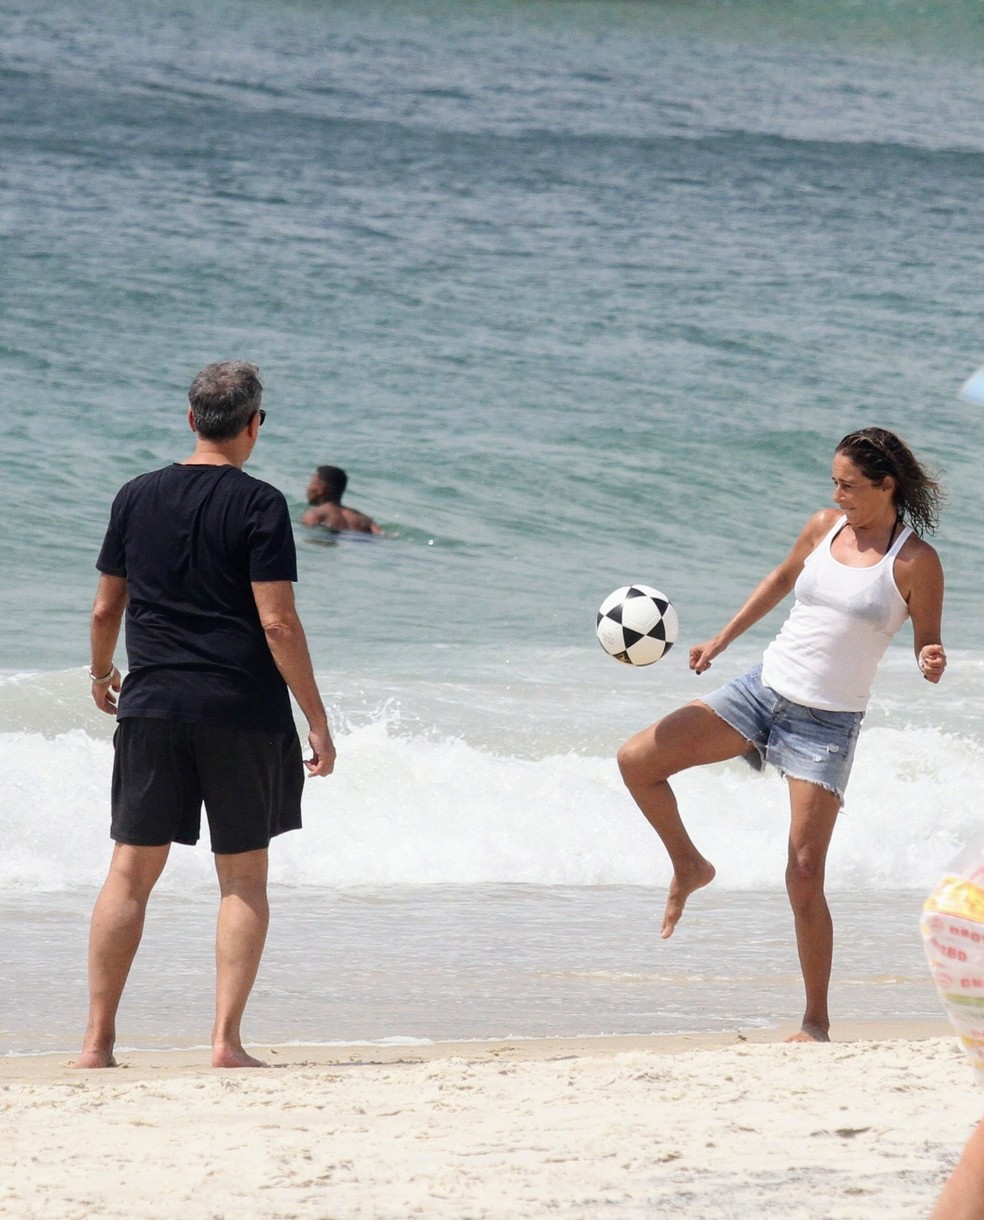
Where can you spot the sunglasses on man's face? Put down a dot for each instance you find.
(262, 414)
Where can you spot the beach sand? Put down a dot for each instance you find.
(738, 1125)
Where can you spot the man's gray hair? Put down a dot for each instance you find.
(224, 397)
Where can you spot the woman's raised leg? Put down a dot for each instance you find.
(692, 736)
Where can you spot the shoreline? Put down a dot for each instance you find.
(741, 1125)
(50, 1064)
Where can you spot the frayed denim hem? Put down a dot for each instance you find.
(808, 779)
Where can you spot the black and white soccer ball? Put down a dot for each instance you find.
(637, 625)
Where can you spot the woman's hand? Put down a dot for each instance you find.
(932, 662)
(701, 655)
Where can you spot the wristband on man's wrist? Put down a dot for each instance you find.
(106, 678)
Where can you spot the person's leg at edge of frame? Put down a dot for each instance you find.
(963, 1195)
(689, 737)
(814, 811)
(244, 915)
(114, 936)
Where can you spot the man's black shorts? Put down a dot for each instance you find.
(164, 770)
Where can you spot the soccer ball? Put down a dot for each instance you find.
(636, 624)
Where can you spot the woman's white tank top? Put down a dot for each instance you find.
(842, 621)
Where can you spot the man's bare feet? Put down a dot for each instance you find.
(809, 1032)
(96, 1058)
(227, 1056)
(681, 887)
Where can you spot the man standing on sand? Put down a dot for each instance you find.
(324, 494)
(200, 558)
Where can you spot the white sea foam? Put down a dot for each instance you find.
(404, 809)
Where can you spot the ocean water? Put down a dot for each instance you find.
(579, 293)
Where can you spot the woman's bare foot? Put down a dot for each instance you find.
(681, 887)
(809, 1032)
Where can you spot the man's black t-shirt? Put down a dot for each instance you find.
(189, 540)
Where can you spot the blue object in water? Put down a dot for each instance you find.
(972, 390)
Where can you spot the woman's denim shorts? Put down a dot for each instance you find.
(800, 742)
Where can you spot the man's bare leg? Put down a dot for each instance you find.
(689, 737)
(814, 813)
(244, 915)
(114, 936)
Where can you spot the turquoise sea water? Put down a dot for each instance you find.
(578, 293)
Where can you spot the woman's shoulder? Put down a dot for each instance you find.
(917, 567)
(810, 536)
(821, 523)
(917, 550)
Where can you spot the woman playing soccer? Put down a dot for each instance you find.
(858, 572)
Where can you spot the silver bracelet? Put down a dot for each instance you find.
(106, 678)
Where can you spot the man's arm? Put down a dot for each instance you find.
(104, 631)
(288, 646)
(356, 520)
(329, 515)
